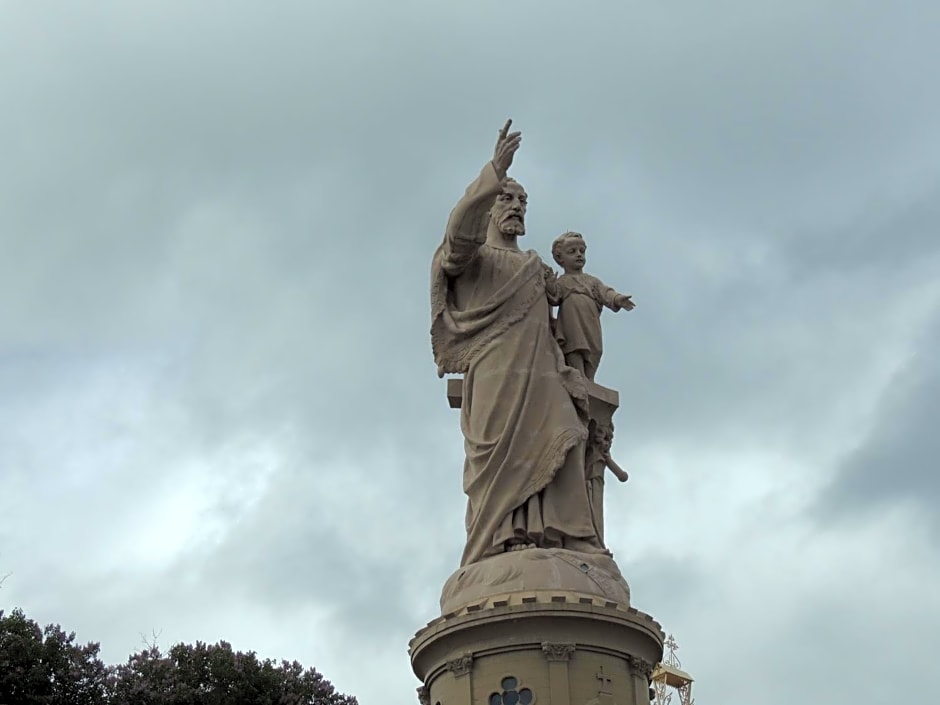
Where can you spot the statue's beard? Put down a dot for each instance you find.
(512, 226)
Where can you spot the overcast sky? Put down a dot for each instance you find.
(219, 413)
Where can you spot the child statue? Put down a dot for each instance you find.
(580, 299)
(597, 461)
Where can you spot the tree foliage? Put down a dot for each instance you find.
(47, 667)
(217, 675)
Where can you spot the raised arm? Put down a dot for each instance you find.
(468, 222)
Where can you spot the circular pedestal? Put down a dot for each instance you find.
(535, 570)
(538, 648)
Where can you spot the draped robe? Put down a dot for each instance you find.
(524, 412)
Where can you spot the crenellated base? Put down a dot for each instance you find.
(538, 650)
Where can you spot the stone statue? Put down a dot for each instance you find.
(524, 412)
(580, 299)
(601, 436)
(538, 609)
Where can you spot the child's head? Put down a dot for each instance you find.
(568, 251)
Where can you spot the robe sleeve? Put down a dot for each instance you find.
(468, 222)
(607, 296)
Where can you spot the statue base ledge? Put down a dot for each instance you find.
(536, 575)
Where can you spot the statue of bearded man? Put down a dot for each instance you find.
(524, 412)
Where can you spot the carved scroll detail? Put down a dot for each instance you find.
(424, 696)
(641, 667)
(461, 666)
(557, 652)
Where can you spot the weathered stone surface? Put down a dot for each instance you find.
(524, 411)
(535, 570)
(580, 298)
(538, 612)
(563, 652)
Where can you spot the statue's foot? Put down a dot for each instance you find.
(519, 546)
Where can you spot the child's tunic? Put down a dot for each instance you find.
(582, 297)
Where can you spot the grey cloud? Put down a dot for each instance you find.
(825, 644)
(897, 461)
(319, 537)
(668, 586)
(366, 157)
(891, 234)
(839, 633)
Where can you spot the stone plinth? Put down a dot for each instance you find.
(538, 648)
(553, 571)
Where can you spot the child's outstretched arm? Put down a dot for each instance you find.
(614, 300)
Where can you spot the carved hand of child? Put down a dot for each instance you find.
(625, 302)
(549, 274)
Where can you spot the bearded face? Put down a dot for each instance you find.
(508, 213)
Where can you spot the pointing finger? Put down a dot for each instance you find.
(505, 130)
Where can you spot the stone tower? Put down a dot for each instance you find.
(538, 612)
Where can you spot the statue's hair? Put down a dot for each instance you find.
(559, 242)
(507, 180)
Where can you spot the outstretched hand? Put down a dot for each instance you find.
(626, 302)
(506, 145)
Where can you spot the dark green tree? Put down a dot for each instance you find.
(47, 667)
(203, 674)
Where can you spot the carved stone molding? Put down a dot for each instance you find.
(557, 652)
(461, 666)
(424, 696)
(641, 667)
